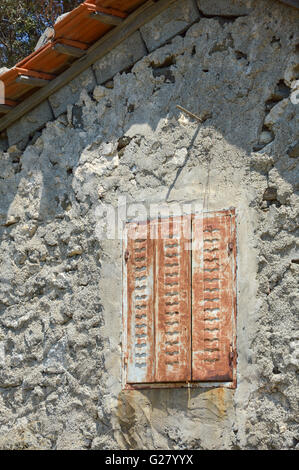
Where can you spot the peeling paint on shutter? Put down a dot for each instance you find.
(173, 300)
(180, 305)
(213, 296)
(139, 304)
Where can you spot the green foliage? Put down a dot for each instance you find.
(23, 21)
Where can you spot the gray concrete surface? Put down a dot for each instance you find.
(60, 283)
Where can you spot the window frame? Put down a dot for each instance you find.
(189, 384)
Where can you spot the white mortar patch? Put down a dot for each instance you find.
(2, 353)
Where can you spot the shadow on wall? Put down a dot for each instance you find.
(45, 177)
(217, 72)
(43, 185)
(46, 170)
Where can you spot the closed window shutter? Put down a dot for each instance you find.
(139, 299)
(173, 300)
(180, 304)
(213, 296)
(158, 301)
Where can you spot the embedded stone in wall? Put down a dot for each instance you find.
(223, 7)
(293, 150)
(70, 93)
(122, 57)
(31, 122)
(172, 21)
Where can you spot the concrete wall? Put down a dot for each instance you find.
(233, 64)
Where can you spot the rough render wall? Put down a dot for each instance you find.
(233, 64)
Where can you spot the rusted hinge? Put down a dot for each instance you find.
(127, 254)
(231, 356)
(230, 247)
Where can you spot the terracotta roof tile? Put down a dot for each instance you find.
(76, 29)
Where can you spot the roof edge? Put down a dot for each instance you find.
(103, 46)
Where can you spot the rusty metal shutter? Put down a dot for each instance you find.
(180, 304)
(138, 300)
(213, 296)
(157, 301)
(173, 300)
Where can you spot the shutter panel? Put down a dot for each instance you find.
(139, 308)
(172, 303)
(213, 280)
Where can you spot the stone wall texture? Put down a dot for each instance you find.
(234, 64)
